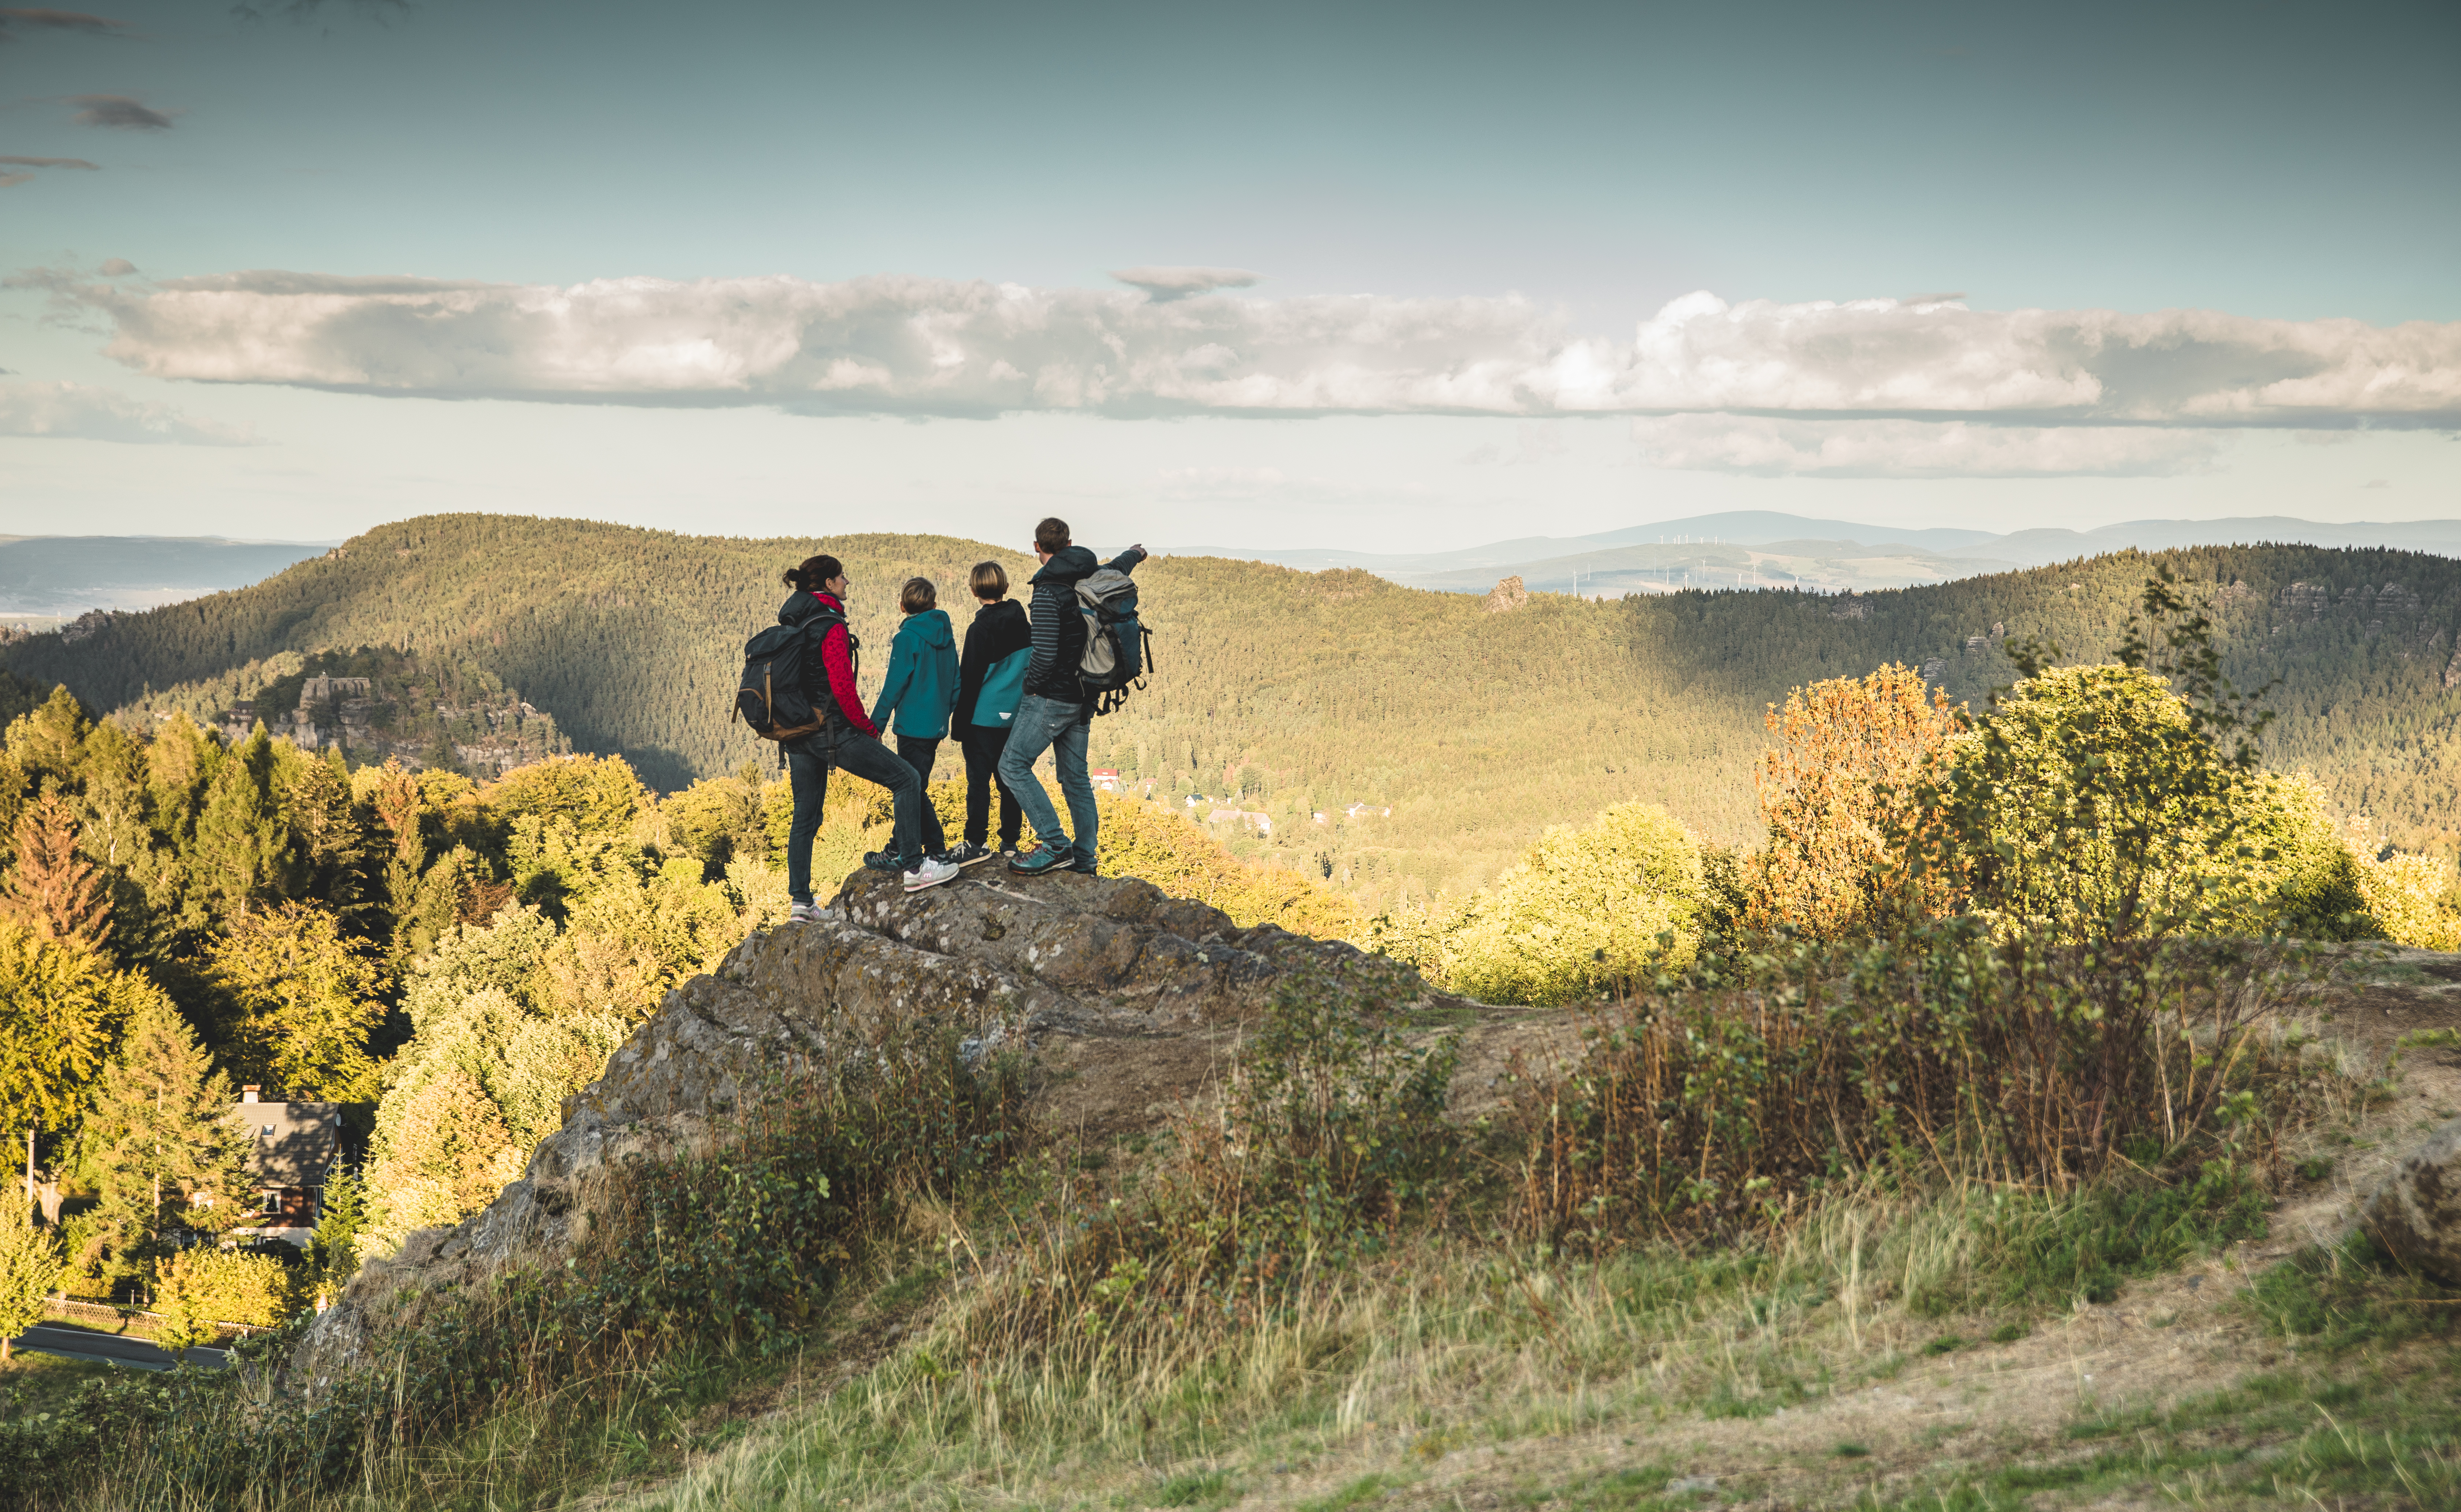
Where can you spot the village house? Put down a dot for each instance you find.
(1254, 819)
(292, 1146)
(1106, 779)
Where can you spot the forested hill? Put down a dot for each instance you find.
(1297, 692)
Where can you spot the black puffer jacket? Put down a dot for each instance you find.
(999, 631)
(1060, 627)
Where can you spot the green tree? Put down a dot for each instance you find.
(30, 1267)
(159, 1143)
(181, 762)
(60, 1007)
(441, 1153)
(335, 851)
(598, 794)
(244, 856)
(47, 743)
(2092, 807)
(342, 1212)
(307, 1001)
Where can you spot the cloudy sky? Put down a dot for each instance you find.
(1403, 276)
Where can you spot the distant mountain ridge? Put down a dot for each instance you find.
(68, 575)
(1762, 548)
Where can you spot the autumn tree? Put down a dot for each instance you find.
(306, 1000)
(1846, 793)
(50, 887)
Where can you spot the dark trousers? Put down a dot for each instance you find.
(858, 756)
(983, 745)
(920, 754)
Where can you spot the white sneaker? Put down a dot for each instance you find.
(930, 874)
(804, 914)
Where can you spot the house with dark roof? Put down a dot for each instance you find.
(293, 1148)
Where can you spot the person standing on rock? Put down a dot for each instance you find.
(847, 739)
(915, 698)
(1055, 711)
(990, 678)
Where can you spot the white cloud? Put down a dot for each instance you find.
(916, 345)
(1776, 448)
(79, 411)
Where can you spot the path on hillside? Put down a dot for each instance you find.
(110, 1349)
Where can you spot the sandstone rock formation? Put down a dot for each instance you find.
(1123, 1001)
(1507, 596)
(2416, 1213)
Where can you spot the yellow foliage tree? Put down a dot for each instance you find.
(1843, 796)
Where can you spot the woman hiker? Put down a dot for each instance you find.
(848, 738)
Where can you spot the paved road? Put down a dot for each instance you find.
(91, 1344)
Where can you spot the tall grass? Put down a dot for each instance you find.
(1752, 1187)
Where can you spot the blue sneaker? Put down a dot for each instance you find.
(1081, 863)
(1042, 858)
(887, 860)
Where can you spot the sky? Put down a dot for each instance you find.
(1367, 277)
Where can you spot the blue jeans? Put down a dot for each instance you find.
(859, 756)
(1046, 724)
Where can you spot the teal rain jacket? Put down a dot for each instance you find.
(922, 685)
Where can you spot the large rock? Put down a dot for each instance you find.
(1124, 1000)
(2416, 1213)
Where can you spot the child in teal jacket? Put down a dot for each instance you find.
(920, 691)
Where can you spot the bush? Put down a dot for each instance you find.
(47, 1454)
(1582, 911)
(195, 1289)
(1722, 1104)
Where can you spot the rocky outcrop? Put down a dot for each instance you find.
(1122, 1001)
(1507, 596)
(2416, 1213)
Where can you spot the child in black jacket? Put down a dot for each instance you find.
(1000, 632)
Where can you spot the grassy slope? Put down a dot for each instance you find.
(1311, 689)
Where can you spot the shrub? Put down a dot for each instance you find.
(1722, 1104)
(198, 1288)
(44, 1455)
(1583, 909)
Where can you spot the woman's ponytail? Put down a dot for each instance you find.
(814, 571)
